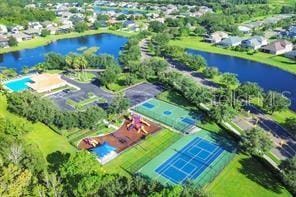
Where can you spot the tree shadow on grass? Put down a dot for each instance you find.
(56, 160)
(255, 171)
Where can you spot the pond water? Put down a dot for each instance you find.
(107, 43)
(268, 77)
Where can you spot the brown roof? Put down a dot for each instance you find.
(277, 45)
(3, 39)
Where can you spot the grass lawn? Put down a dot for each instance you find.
(134, 158)
(120, 85)
(245, 176)
(40, 41)
(84, 77)
(273, 60)
(42, 136)
(281, 117)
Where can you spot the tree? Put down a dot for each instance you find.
(157, 64)
(110, 74)
(195, 62)
(118, 105)
(14, 181)
(256, 142)
(12, 41)
(210, 72)
(200, 30)
(81, 27)
(157, 26)
(45, 33)
(79, 62)
(73, 171)
(91, 117)
(229, 80)
(249, 90)
(15, 154)
(274, 101)
(222, 112)
(54, 61)
(288, 168)
(290, 123)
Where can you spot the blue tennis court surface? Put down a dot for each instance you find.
(190, 161)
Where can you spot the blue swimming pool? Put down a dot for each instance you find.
(103, 150)
(18, 85)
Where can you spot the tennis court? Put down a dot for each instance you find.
(198, 158)
(190, 162)
(171, 115)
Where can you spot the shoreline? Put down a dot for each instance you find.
(43, 41)
(279, 62)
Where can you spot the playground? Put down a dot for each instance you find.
(198, 158)
(171, 115)
(106, 147)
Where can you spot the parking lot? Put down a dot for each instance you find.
(136, 94)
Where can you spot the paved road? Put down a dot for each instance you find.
(285, 145)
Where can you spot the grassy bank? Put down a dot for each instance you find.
(40, 135)
(269, 59)
(245, 176)
(40, 41)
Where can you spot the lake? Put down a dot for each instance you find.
(107, 43)
(268, 77)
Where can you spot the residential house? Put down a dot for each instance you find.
(278, 47)
(33, 32)
(17, 29)
(131, 25)
(35, 25)
(3, 29)
(254, 42)
(19, 36)
(216, 37)
(291, 32)
(3, 42)
(52, 29)
(66, 26)
(291, 54)
(231, 41)
(30, 6)
(128, 23)
(76, 18)
(244, 29)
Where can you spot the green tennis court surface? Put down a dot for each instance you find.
(198, 158)
(169, 114)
